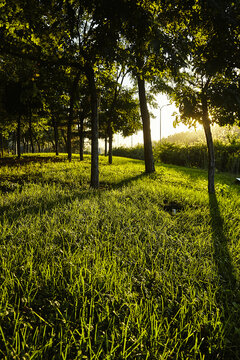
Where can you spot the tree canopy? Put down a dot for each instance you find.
(189, 49)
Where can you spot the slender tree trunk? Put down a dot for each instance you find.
(148, 153)
(106, 144)
(210, 146)
(81, 136)
(110, 136)
(70, 117)
(69, 130)
(64, 138)
(14, 146)
(1, 143)
(94, 120)
(19, 136)
(52, 146)
(30, 132)
(39, 146)
(55, 129)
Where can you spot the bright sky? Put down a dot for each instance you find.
(167, 125)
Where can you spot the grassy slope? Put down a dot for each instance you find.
(112, 274)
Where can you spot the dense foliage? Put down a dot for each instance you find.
(135, 152)
(227, 156)
(56, 55)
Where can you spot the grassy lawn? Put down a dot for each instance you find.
(116, 273)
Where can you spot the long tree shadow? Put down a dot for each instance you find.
(227, 296)
(15, 211)
(12, 161)
(128, 181)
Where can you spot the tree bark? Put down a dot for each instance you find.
(110, 136)
(81, 137)
(55, 129)
(69, 130)
(70, 117)
(14, 144)
(94, 120)
(19, 136)
(210, 146)
(1, 144)
(148, 153)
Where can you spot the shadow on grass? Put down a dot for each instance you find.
(202, 174)
(192, 173)
(18, 210)
(227, 296)
(24, 160)
(125, 182)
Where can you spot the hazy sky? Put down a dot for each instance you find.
(167, 124)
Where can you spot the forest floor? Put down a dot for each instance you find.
(146, 267)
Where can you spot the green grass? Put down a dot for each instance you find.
(112, 273)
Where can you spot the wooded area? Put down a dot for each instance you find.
(63, 65)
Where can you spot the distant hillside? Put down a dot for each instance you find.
(223, 134)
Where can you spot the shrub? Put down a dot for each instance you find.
(135, 152)
(195, 155)
(227, 155)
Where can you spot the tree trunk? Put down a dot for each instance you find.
(14, 145)
(55, 129)
(30, 132)
(70, 117)
(64, 138)
(1, 143)
(110, 136)
(39, 146)
(19, 136)
(94, 120)
(106, 144)
(210, 146)
(81, 137)
(148, 153)
(69, 130)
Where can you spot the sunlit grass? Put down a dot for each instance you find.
(114, 273)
